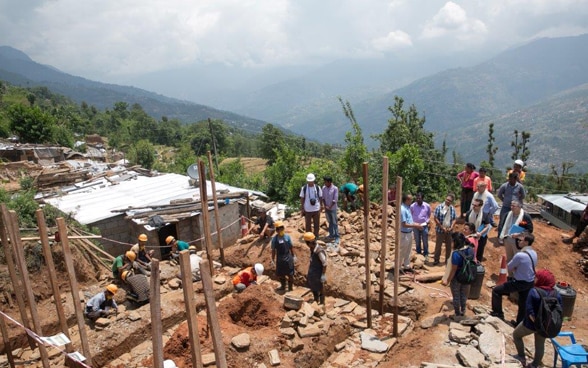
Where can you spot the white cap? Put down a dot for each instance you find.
(169, 364)
(519, 162)
(258, 269)
(310, 177)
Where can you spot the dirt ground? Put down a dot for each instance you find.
(258, 313)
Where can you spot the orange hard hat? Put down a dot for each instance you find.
(143, 237)
(131, 255)
(169, 239)
(112, 288)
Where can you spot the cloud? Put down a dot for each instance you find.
(392, 41)
(452, 21)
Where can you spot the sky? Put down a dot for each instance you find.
(105, 39)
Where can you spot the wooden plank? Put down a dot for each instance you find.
(155, 306)
(71, 237)
(219, 230)
(366, 243)
(217, 338)
(188, 288)
(28, 289)
(73, 284)
(397, 254)
(205, 219)
(6, 339)
(14, 277)
(384, 227)
(52, 275)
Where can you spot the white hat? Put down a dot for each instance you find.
(310, 177)
(258, 269)
(519, 162)
(169, 364)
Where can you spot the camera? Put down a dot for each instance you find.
(312, 201)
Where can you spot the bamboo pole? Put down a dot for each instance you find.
(205, 218)
(366, 243)
(52, 276)
(28, 289)
(384, 227)
(155, 305)
(71, 237)
(75, 293)
(219, 230)
(14, 277)
(188, 288)
(397, 252)
(217, 338)
(6, 338)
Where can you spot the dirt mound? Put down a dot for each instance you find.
(256, 307)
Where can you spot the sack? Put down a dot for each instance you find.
(549, 316)
(467, 273)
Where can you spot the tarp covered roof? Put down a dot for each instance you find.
(567, 202)
(96, 202)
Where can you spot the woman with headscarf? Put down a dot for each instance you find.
(545, 281)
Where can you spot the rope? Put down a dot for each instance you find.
(39, 340)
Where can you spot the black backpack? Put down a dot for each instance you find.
(549, 316)
(467, 273)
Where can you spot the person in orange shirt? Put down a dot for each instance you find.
(483, 177)
(517, 167)
(247, 276)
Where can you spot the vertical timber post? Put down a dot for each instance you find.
(219, 230)
(366, 242)
(384, 228)
(155, 306)
(397, 252)
(188, 288)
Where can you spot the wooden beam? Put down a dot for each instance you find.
(155, 305)
(217, 338)
(397, 253)
(384, 227)
(188, 288)
(75, 293)
(205, 219)
(52, 275)
(28, 289)
(366, 243)
(14, 277)
(6, 339)
(219, 230)
(71, 237)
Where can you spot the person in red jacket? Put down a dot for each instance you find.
(247, 276)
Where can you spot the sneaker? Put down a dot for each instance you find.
(521, 359)
(497, 314)
(568, 240)
(513, 323)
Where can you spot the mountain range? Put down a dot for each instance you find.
(540, 87)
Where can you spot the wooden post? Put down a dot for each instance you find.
(6, 338)
(397, 252)
(384, 227)
(219, 230)
(155, 305)
(75, 291)
(205, 218)
(188, 288)
(366, 242)
(217, 338)
(28, 289)
(52, 275)
(14, 277)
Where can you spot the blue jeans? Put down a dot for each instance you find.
(422, 235)
(331, 216)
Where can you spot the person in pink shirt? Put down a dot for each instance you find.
(466, 178)
(483, 177)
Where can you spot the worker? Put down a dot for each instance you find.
(123, 262)
(517, 167)
(264, 225)
(139, 285)
(247, 276)
(143, 260)
(317, 268)
(176, 247)
(195, 260)
(350, 190)
(102, 304)
(283, 257)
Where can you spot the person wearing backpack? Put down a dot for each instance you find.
(311, 197)
(522, 266)
(544, 289)
(463, 273)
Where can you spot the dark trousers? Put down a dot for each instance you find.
(467, 194)
(312, 219)
(511, 286)
(580, 228)
(481, 246)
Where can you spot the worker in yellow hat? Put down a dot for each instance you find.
(317, 268)
(176, 247)
(102, 304)
(122, 263)
(143, 261)
(139, 285)
(283, 257)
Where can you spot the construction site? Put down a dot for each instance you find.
(47, 275)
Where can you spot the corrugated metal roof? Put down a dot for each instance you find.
(567, 202)
(96, 203)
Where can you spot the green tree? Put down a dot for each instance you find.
(490, 148)
(271, 141)
(31, 124)
(520, 145)
(279, 173)
(407, 163)
(355, 153)
(142, 153)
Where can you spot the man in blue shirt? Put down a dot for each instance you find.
(522, 266)
(406, 227)
(510, 191)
